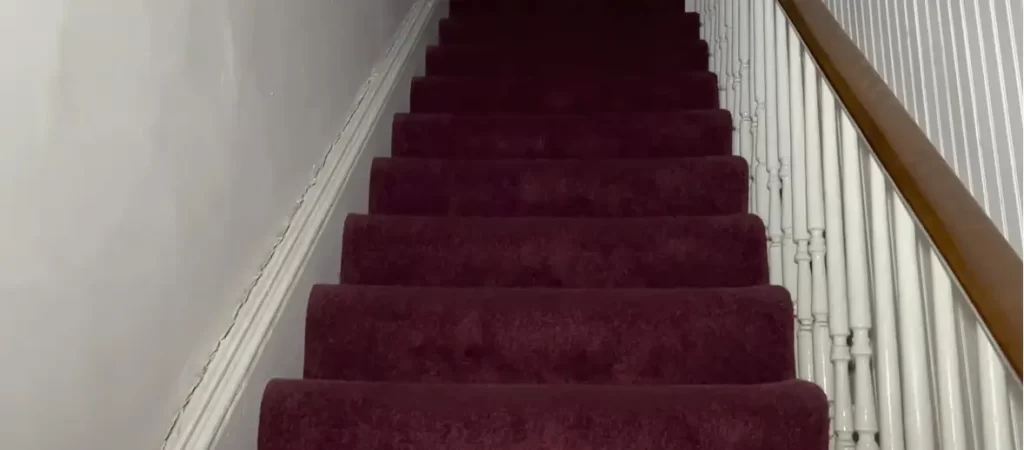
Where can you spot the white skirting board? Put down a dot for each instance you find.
(266, 339)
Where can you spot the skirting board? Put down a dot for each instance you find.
(266, 339)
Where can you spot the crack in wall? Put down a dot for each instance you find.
(247, 293)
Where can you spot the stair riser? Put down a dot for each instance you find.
(365, 333)
(624, 188)
(577, 31)
(357, 416)
(480, 61)
(686, 91)
(727, 251)
(565, 8)
(672, 135)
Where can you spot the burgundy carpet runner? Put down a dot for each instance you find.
(557, 256)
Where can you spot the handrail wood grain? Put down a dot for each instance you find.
(980, 258)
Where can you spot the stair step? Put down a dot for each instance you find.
(505, 31)
(464, 60)
(717, 251)
(568, 9)
(332, 415)
(560, 188)
(637, 135)
(503, 335)
(556, 256)
(655, 93)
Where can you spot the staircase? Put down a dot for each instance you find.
(558, 255)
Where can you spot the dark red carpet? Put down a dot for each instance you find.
(532, 187)
(557, 256)
(506, 31)
(615, 58)
(592, 135)
(553, 94)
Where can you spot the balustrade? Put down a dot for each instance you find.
(883, 328)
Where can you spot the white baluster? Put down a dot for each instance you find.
(815, 220)
(712, 33)
(1015, 413)
(710, 18)
(865, 416)
(816, 225)
(838, 322)
(722, 57)
(759, 177)
(914, 369)
(698, 7)
(735, 31)
(725, 44)
(887, 358)
(947, 360)
(744, 84)
(923, 258)
(771, 124)
(786, 116)
(995, 409)
(707, 17)
(805, 343)
(966, 322)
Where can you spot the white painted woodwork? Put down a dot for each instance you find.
(839, 327)
(887, 363)
(770, 125)
(880, 323)
(785, 117)
(821, 340)
(952, 432)
(914, 369)
(805, 344)
(759, 194)
(743, 82)
(865, 416)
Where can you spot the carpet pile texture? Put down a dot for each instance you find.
(557, 256)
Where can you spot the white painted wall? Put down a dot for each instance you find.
(956, 65)
(150, 152)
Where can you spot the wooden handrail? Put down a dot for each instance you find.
(980, 258)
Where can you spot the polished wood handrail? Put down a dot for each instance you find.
(980, 258)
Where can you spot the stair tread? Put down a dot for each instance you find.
(723, 251)
(639, 134)
(563, 188)
(565, 94)
(490, 335)
(481, 60)
(358, 416)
